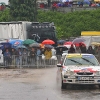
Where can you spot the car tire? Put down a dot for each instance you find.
(63, 85)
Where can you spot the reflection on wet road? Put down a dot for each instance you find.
(41, 84)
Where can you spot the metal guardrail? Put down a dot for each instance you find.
(70, 9)
(28, 62)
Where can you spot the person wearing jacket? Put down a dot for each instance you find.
(7, 58)
(90, 50)
(48, 53)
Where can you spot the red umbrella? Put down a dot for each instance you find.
(48, 42)
(68, 43)
(78, 44)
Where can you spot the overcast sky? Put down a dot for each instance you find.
(6, 1)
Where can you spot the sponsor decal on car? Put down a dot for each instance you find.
(74, 55)
(85, 70)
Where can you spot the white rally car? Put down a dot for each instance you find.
(80, 69)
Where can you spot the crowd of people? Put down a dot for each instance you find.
(25, 56)
(31, 55)
(95, 50)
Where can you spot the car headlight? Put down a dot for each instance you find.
(69, 72)
(97, 73)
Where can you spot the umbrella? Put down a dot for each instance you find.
(48, 46)
(64, 48)
(95, 43)
(21, 46)
(42, 45)
(1, 46)
(15, 42)
(68, 43)
(61, 41)
(48, 42)
(78, 40)
(78, 44)
(34, 45)
(6, 44)
(28, 42)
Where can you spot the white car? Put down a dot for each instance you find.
(80, 69)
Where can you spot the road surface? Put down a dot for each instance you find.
(40, 84)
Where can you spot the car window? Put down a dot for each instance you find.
(84, 60)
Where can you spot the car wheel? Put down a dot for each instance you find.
(63, 85)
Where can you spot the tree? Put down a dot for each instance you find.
(24, 10)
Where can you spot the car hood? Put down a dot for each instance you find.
(82, 68)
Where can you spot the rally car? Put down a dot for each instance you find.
(80, 69)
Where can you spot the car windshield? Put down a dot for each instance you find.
(84, 60)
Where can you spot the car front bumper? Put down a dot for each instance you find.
(82, 80)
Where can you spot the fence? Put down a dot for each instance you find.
(28, 62)
(71, 9)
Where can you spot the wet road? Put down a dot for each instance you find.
(40, 84)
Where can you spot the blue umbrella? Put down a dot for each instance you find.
(15, 42)
(21, 46)
(86, 2)
(5, 44)
(1, 46)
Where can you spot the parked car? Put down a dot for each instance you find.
(80, 69)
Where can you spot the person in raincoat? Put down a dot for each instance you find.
(48, 53)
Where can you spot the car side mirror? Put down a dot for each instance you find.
(59, 65)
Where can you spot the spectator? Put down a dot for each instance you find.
(32, 56)
(48, 53)
(78, 50)
(59, 51)
(53, 54)
(24, 56)
(98, 54)
(71, 49)
(83, 48)
(90, 50)
(38, 52)
(7, 58)
(19, 57)
(13, 56)
(95, 50)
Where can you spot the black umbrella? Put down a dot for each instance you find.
(64, 48)
(61, 41)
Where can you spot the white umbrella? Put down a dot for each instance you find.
(78, 40)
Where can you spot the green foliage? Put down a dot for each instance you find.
(5, 16)
(23, 10)
(71, 24)
(67, 24)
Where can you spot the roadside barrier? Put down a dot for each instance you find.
(28, 62)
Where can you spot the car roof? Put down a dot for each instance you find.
(77, 54)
